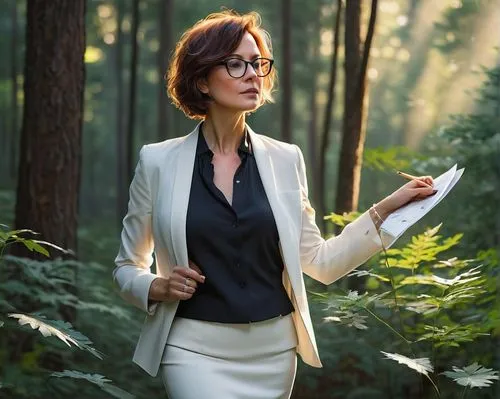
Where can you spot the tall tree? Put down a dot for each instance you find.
(133, 89)
(353, 127)
(14, 108)
(50, 153)
(325, 137)
(286, 71)
(121, 147)
(313, 104)
(166, 38)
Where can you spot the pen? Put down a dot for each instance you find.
(408, 176)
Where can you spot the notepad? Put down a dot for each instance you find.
(403, 218)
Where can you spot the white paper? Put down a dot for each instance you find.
(406, 216)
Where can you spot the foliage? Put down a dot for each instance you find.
(427, 302)
(473, 141)
(391, 158)
(422, 365)
(472, 376)
(11, 237)
(49, 285)
(57, 328)
(97, 379)
(342, 220)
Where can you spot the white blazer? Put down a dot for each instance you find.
(156, 223)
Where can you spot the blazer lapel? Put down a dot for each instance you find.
(288, 242)
(180, 196)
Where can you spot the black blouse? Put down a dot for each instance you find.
(236, 246)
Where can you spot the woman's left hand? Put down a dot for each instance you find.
(414, 190)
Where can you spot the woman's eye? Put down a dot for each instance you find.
(234, 64)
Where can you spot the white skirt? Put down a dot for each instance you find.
(230, 361)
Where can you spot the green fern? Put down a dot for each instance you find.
(59, 329)
(429, 295)
(99, 380)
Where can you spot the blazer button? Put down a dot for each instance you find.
(242, 284)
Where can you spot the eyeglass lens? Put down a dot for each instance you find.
(237, 67)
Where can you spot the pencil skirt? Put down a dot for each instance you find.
(230, 361)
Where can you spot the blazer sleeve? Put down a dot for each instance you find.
(132, 273)
(329, 260)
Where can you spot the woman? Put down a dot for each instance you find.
(226, 212)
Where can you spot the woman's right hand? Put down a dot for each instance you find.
(180, 285)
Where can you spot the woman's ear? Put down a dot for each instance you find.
(202, 85)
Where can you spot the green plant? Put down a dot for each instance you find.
(428, 304)
(49, 285)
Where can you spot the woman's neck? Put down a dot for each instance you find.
(223, 133)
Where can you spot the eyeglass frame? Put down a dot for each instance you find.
(271, 62)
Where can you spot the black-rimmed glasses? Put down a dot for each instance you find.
(236, 67)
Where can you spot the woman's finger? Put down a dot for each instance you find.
(180, 295)
(195, 267)
(182, 279)
(181, 287)
(427, 179)
(190, 273)
(422, 183)
(423, 192)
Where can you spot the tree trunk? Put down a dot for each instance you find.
(121, 148)
(166, 37)
(353, 129)
(14, 134)
(50, 153)
(50, 156)
(132, 97)
(313, 121)
(325, 141)
(286, 72)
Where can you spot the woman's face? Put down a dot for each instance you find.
(236, 94)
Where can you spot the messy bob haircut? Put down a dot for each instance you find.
(203, 46)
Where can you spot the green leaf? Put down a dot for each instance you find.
(425, 306)
(33, 246)
(45, 329)
(15, 233)
(363, 273)
(96, 379)
(389, 158)
(437, 281)
(49, 244)
(422, 365)
(452, 335)
(473, 376)
(342, 220)
(59, 329)
(349, 319)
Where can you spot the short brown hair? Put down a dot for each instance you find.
(206, 44)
